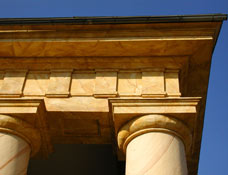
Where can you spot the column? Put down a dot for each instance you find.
(18, 141)
(155, 145)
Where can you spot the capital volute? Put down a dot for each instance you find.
(22, 129)
(153, 123)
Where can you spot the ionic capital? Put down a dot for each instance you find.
(22, 129)
(153, 123)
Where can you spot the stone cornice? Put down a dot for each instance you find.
(22, 129)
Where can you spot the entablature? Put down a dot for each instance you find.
(98, 83)
(81, 83)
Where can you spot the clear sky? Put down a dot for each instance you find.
(214, 150)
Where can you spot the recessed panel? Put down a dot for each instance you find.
(78, 127)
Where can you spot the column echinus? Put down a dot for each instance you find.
(155, 145)
(18, 141)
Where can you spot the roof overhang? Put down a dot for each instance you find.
(187, 41)
(116, 36)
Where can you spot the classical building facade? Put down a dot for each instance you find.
(136, 83)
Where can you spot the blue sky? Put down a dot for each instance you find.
(214, 150)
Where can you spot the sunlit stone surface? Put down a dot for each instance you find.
(14, 155)
(156, 153)
(136, 82)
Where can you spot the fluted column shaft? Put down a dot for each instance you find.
(155, 145)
